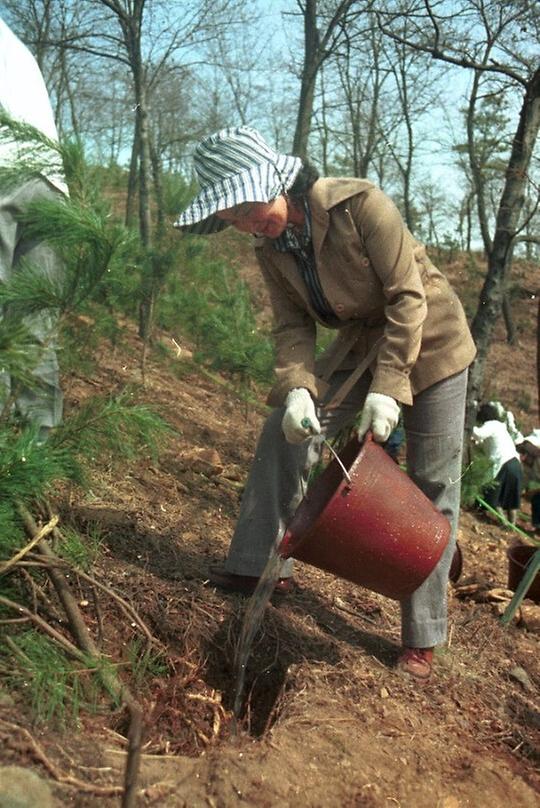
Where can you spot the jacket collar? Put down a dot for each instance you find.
(330, 191)
(326, 194)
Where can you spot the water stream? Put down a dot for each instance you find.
(252, 620)
(257, 605)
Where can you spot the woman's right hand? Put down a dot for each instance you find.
(300, 419)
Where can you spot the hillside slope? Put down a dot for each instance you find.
(328, 721)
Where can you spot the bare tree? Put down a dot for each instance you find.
(413, 83)
(324, 24)
(145, 37)
(42, 25)
(460, 38)
(362, 73)
(238, 56)
(375, 94)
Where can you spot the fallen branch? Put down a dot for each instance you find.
(125, 607)
(68, 646)
(128, 610)
(116, 688)
(338, 603)
(45, 530)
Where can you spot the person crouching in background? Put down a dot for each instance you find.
(504, 493)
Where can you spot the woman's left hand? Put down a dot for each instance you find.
(380, 414)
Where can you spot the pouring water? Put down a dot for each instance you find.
(252, 620)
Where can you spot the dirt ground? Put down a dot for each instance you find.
(327, 720)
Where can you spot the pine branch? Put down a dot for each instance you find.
(29, 467)
(35, 154)
(116, 425)
(19, 354)
(125, 607)
(90, 247)
(38, 621)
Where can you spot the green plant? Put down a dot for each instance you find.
(176, 193)
(476, 479)
(53, 684)
(80, 551)
(30, 466)
(11, 532)
(145, 663)
(116, 426)
(213, 305)
(94, 250)
(19, 353)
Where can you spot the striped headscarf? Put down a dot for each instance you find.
(235, 165)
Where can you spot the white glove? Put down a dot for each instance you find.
(300, 420)
(380, 414)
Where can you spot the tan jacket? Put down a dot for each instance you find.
(380, 283)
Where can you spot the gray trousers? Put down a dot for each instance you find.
(41, 402)
(434, 430)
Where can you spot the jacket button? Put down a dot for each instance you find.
(340, 307)
(365, 262)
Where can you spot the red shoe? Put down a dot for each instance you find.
(245, 584)
(417, 662)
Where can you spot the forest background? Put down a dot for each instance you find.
(437, 102)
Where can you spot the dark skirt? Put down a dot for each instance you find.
(506, 490)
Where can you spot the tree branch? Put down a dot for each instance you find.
(48, 528)
(461, 61)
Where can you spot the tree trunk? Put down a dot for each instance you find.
(309, 75)
(476, 171)
(316, 51)
(469, 223)
(65, 84)
(500, 256)
(145, 218)
(131, 198)
(158, 187)
(538, 362)
(324, 129)
(508, 321)
(405, 166)
(146, 309)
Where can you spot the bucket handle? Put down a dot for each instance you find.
(307, 424)
(339, 461)
(368, 437)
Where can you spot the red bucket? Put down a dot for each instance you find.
(519, 556)
(375, 528)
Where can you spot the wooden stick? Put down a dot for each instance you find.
(129, 611)
(44, 626)
(108, 676)
(126, 607)
(45, 530)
